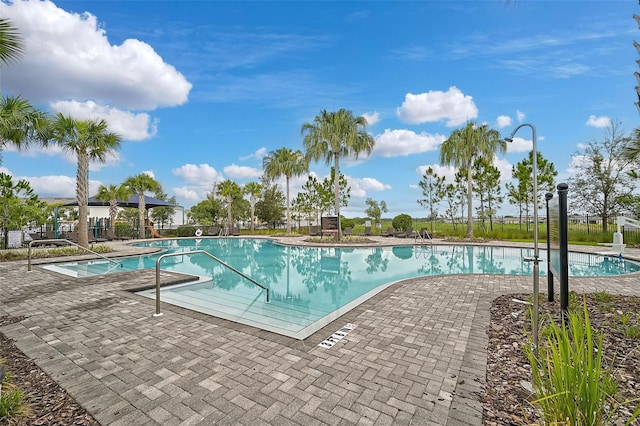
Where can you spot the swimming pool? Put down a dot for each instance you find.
(312, 286)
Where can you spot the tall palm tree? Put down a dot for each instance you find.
(253, 190)
(632, 151)
(112, 194)
(89, 140)
(11, 43)
(285, 162)
(21, 123)
(334, 135)
(228, 189)
(140, 184)
(463, 147)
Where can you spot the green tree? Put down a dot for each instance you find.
(335, 135)
(270, 208)
(285, 162)
(431, 185)
(253, 190)
(207, 211)
(374, 210)
(448, 193)
(11, 43)
(522, 193)
(112, 194)
(229, 190)
(12, 196)
(486, 180)
(89, 140)
(602, 178)
(326, 190)
(312, 189)
(21, 124)
(139, 184)
(163, 214)
(402, 221)
(462, 149)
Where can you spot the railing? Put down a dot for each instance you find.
(206, 253)
(55, 240)
(421, 236)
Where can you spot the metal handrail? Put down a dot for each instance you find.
(418, 235)
(188, 253)
(66, 241)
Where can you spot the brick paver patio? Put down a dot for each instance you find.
(417, 356)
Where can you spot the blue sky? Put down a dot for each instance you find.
(201, 90)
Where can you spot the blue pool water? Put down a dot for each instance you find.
(314, 285)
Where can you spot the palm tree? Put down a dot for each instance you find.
(11, 43)
(463, 147)
(285, 162)
(228, 189)
(139, 184)
(88, 140)
(253, 190)
(333, 135)
(21, 123)
(112, 194)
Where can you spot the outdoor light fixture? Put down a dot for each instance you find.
(536, 258)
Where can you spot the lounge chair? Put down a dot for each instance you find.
(367, 231)
(111, 235)
(313, 231)
(389, 233)
(406, 233)
(235, 231)
(213, 231)
(348, 231)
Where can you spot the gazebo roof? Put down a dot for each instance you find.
(131, 202)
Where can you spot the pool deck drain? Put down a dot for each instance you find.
(418, 355)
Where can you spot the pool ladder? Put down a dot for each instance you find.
(206, 253)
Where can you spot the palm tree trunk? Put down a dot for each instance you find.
(141, 208)
(229, 218)
(469, 201)
(82, 193)
(253, 212)
(336, 191)
(288, 208)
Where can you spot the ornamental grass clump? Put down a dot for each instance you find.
(572, 385)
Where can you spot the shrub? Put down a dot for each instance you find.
(402, 221)
(186, 231)
(572, 384)
(124, 230)
(346, 223)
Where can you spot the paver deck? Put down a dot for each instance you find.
(417, 356)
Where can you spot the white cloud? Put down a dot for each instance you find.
(129, 126)
(372, 118)
(149, 173)
(402, 142)
(199, 180)
(360, 186)
(503, 121)
(598, 122)
(69, 56)
(452, 106)
(202, 174)
(58, 186)
(259, 154)
(504, 167)
(242, 172)
(187, 193)
(519, 145)
(449, 172)
(520, 116)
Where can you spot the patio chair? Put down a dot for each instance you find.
(389, 233)
(367, 231)
(235, 231)
(408, 232)
(313, 231)
(348, 231)
(111, 235)
(213, 231)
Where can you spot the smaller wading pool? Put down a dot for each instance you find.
(312, 286)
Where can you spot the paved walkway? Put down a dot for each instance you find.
(417, 356)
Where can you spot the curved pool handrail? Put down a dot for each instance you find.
(55, 240)
(188, 253)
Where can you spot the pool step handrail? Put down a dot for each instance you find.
(206, 253)
(422, 238)
(56, 240)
